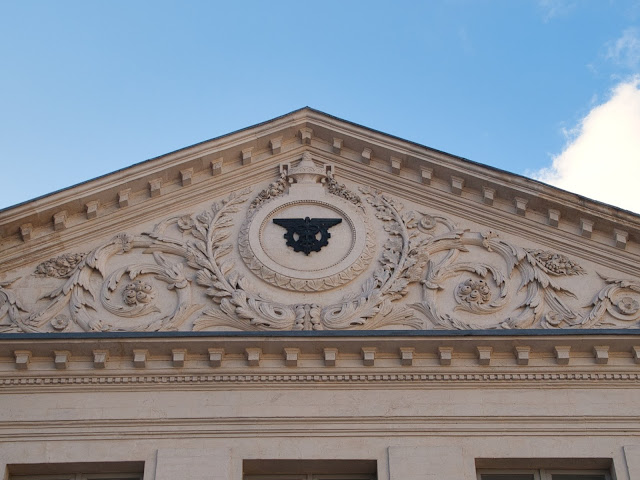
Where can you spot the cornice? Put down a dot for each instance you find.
(226, 150)
(365, 361)
(216, 166)
(115, 219)
(461, 165)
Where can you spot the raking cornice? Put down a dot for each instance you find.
(224, 163)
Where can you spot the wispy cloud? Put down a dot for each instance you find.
(625, 51)
(555, 8)
(602, 157)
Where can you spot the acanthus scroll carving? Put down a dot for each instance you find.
(198, 272)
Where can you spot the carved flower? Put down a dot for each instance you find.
(556, 263)
(60, 322)
(186, 223)
(126, 241)
(275, 189)
(60, 267)
(427, 222)
(553, 318)
(474, 291)
(628, 305)
(138, 292)
(341, 190)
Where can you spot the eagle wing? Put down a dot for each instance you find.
(326, 223)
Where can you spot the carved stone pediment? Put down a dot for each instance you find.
(319, 245)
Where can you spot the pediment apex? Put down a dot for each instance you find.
(360, 154)
(307, 232)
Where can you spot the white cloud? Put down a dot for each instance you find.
(625, 50)
(602, 157)
(556, 8)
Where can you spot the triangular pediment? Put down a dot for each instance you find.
(309, 222)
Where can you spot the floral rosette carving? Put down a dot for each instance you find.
(628, 305)
(473, 294)
(60, 323)
(138, 293)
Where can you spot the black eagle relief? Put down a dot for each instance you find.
(307, 234)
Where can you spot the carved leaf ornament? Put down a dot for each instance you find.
(426, 274)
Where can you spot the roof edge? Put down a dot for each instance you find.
(39, 212)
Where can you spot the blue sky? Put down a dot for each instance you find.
(89, 87)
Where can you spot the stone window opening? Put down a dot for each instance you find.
(309, 470)
(544, 474)
(77, 471)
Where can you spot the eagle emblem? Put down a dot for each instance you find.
(307, 234)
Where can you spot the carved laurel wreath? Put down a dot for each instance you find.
(419, 248)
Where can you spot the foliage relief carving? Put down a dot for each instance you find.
(514, 288)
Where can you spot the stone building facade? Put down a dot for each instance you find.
(308, 298)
